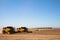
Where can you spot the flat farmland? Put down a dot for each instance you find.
(35, 35)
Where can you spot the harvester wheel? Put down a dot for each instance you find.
(3, 32)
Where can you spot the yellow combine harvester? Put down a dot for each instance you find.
(8, 30)
(11, 30)
(22, 29)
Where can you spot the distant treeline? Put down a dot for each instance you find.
(45, 28)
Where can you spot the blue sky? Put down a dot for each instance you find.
(30, 13)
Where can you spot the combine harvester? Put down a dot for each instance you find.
(11, 30)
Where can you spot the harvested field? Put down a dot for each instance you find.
(30, 37)
(36, 35)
